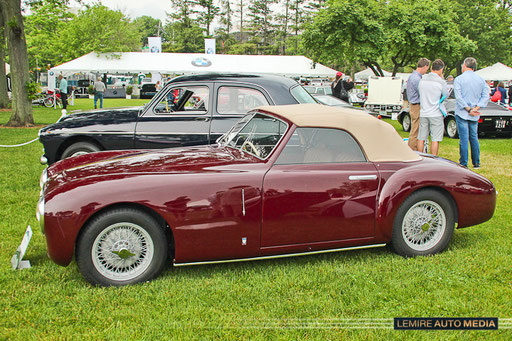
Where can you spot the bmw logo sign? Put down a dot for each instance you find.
(201, 62)
(51, 73)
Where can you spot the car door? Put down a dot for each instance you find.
(320, 189)
(179, 117)
(232, 102)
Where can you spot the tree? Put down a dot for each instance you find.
(297, 15)
(240, 11)
(4, 98)
(98, 29)
(262, 27)
(283, 24)
(487, 24)
(417, 29)
(182, 33)
(207, 13)
(46, 22)
(347, 32)
(21, 114)
(148, 27)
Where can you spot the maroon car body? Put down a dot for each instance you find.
(219, 203)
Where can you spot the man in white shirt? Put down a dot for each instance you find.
(431, 88)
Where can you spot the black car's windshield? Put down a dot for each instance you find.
(255, 134)
(301, 95)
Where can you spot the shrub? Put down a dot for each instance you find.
(90, 89)
(129, 90)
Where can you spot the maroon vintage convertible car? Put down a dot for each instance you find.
(284, 181)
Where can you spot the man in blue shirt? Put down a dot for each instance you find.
(471, 93)
(413, 96)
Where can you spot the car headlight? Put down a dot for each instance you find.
(40, 213)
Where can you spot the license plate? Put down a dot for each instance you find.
(500, 124)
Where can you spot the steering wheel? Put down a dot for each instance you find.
(252, 147)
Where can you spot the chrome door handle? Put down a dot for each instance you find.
(362, 177)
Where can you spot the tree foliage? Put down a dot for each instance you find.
(99, 29)
(396, 33)
(147, 27)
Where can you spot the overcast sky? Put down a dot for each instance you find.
(137, 8)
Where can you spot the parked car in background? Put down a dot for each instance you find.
(331, 101)
(148, 90)
(284, 181)
(318, 90)
(188, 111)
(495, 119)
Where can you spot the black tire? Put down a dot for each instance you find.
(450, 128)
(406, 122)
(433, 221)
(80, 148)
(132, 236)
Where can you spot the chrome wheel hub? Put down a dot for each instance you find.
(423, 225)
(122, 251)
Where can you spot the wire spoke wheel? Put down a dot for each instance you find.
(423, 225)
(122, 251)
(121, 246)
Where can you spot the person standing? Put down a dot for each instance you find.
(432, 88)
(503, 93)
(99, 90)
(471, 93)
(340, 87)
(413, 97)
(63, 89)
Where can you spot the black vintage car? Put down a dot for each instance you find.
(189, 110)
(496, 120)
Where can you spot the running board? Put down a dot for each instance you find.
(286, 255)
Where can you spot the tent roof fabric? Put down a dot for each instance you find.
(496, 72)
(389, 146)
(190, 63)
(365, 74)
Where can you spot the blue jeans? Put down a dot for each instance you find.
(100, 96)
(468, 134)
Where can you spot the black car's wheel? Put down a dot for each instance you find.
(451, 128)
(423, 225)
(80, 148)
(406, 122)
(120, 247)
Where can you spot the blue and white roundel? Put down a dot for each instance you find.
(201, 62)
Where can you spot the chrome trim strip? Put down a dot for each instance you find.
(362, 177)
(281, 256)
(243, 202)
(126, 133)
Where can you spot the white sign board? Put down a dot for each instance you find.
(51, 80)
(155, 44)
(209, 46)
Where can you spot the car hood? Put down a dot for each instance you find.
(199, 159)
(80, 119)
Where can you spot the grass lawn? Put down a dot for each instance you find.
(323, 297)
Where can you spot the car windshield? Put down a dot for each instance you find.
(301, 95)
(255, 134)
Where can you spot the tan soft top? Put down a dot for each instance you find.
(379, 139)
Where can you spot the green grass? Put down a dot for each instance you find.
(278, 299)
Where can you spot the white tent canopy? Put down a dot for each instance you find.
(190, 63)
(496, 72)
(365, 74)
